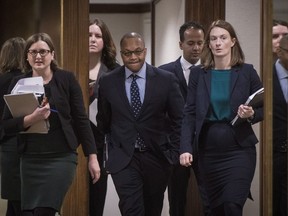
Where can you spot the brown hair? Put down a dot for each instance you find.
(237, 55)
(109, 50)
(40, 37)
(11, 55)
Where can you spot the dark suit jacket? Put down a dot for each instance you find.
(6, 126)
(280, 109)
(98, 136)
(176, 68)
(5, 80)
(244, 82)
(67, 95)
(115, 116)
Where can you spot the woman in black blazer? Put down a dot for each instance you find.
(102, 60)
(216, 93)
(48, 161)
(11, 65)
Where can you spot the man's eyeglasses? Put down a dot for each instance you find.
(42, 52)
(286, 50)
(129, 53)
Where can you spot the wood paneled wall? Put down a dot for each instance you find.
(266, 158)
(23, 18)
(204, 11)
(74, 46)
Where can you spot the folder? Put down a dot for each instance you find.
(24, 104)
(254, 100)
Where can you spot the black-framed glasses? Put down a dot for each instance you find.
(129, 53)
(42, 52)
(286, 50)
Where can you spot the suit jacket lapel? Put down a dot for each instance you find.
(207, 80)
(120, 85)
(179, 73)
(149, 88)
(234, 77)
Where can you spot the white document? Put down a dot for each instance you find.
(253, 100)
(93, 109)
(23, 100)
(29, 85)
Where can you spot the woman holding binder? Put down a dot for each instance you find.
(48, 161)
(217, 92)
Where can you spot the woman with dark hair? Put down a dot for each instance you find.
(217, 92)
(11, 65)
(102, 52)
(48, 161)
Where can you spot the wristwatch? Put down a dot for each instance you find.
(251, 118)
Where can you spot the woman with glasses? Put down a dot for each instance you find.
(48, 161)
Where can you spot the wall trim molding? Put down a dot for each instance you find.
(120, 8)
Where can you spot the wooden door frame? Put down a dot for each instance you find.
(266, 129)
(75, 57)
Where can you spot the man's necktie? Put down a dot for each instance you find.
(187, 73)
(136, 106)
(135, 96)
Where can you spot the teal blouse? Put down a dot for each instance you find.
(220, 95)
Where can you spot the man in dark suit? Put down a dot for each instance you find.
(280, 113)
(191, 43)
(279, 29)
(140, 151)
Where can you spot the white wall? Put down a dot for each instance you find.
(169, 17)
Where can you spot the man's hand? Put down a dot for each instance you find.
(94, 167)
(186, 159)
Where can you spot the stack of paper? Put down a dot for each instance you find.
(29, 85)
(23, 100)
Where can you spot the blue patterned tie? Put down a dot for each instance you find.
(136, 106)
(135, 96)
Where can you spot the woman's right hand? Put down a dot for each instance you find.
(40, 113)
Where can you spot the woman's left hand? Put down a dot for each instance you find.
(94, 168)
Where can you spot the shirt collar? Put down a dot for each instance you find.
(141, 73)
(280, 70)
(186, 65)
